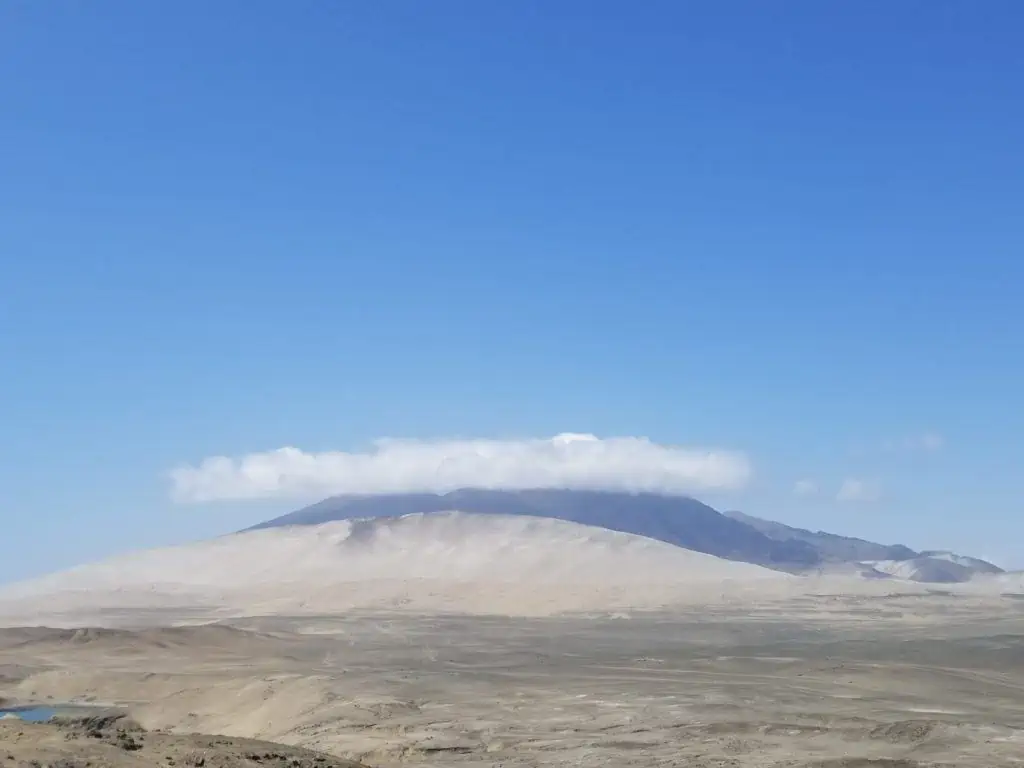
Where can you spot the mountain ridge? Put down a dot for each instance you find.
(832, 546)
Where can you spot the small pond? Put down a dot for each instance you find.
(40, 713)
(32, 714)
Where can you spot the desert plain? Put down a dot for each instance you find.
(901, 679)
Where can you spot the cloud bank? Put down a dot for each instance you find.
(568, 460)
(925, 442)
(854, 490)
(805, 488)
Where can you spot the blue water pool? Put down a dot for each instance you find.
(32, 714)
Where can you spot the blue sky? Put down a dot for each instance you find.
(789, 230)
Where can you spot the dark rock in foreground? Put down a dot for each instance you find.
(118, 742)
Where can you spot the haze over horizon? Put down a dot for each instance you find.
(259, 253)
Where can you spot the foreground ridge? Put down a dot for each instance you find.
(116, 741)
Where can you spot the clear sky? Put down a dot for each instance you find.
(788, 230)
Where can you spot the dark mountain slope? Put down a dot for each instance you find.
(678, 520)
(829, 545)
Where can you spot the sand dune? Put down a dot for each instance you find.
(935, 570)
(448, 545)
(1009, 583)
(450, 560)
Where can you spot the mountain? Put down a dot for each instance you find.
(830, 546)
(896, 560)
(677, 520)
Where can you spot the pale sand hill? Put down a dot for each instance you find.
(447, 546)
(443, 561)
(449, 561)
(1009, 583)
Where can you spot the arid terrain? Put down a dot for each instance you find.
(906, 680)
(121, 743)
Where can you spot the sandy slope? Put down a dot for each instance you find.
(437, 562)
(449, 561)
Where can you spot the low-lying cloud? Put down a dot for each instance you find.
(805, 488)
(855, 490)
(570, 461)
(925, 442)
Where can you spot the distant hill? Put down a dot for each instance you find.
(973, 563)
(449, 562)
(928, 569)
(678, 520)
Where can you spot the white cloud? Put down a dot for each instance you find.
(853, 490)
(805, 488)
(399, 465)
(931, 441)
(925, 442)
